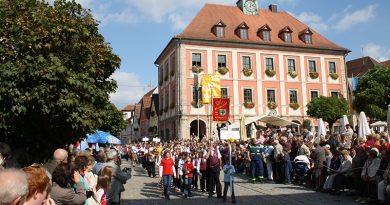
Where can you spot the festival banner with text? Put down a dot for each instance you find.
(211, 87)
(221, 109)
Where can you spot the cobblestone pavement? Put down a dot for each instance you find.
(143, 190)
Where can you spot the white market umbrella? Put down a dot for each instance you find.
(276, 121)
(388, 119)
(243, 128)
(364, 129)
(253, 131)
(321, 129)
(344, 123)
(379, 124)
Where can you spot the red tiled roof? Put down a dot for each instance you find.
(211, 14)
(360, 66)
(386, 63)
(129, 108)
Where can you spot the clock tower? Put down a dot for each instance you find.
(249, 7)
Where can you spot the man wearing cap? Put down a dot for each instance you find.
(255, 151)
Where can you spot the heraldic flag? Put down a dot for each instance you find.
(211, 87)
(221, 109)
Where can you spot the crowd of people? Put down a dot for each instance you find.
(69, 177)
(328, 164)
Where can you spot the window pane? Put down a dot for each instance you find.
(269, 64)
(246, 62)
(196, 59)
(332, 67)
(307, 38)
(291, 64)
(293, 96)
(248, 95)
(266, 36)
(167, 68)
(220, 31)
(312, 66)
(271, 96)
(221, 61)
(334, 94)
(287, 37)
(224, 93)
(313, 95)
(244, 33)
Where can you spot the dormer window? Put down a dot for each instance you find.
(264, 33)
(306, 36)
(219, 29)
(242, 31)
(285, 34)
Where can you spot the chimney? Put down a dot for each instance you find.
(273, 8)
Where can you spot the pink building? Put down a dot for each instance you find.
(268, 60)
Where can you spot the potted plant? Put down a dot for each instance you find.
(270, 73)
(172, 72)
(294, 105)
(223, 70)
(313, 75)
(247, 72)
(193, 103)
(172, 106)
(293, 73)
(334, 76)
(272, 105)
(196, 69)
(249, 104)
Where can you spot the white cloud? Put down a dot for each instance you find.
(129, 89)
(376, 51)
(351, 19)
(313, 20)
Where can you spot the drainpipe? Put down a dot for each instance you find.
(179, 110)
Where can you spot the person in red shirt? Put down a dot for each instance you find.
(167, 172)
(188, 173)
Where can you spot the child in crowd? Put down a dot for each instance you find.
(228, 179)
(188, 173)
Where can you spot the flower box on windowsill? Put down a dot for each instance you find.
(172, 72)
(249, 104)
(334, 76)
(223, 70)
(172, 106)
(272, 105)
(313, 75)
(294, 106)
(247, 72)
(196, 69)
(293, 74)
(193, 103)
(270, 73)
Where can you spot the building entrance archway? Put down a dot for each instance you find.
(194, 128)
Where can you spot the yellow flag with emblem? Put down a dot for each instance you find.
(211, 87)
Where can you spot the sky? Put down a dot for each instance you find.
(138, 30)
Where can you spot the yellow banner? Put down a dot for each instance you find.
(210, 85)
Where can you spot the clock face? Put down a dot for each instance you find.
(250, 6)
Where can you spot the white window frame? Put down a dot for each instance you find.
(335, 66)
(335, 91)
(287, 37)
(273, 62)
(308, 38)
(201, 58)
(263, 32)
(226, 59)
(250, 63)
(295, 64)
(289, 95)
(220, 31)
(318, 92)
(243, 94)
(242, 31)
(315, 63)
(227, 90)
(266, 94)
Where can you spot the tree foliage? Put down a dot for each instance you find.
(373, 92)
(55, 72)
(330, 109)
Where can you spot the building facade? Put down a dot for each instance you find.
(268, 62)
